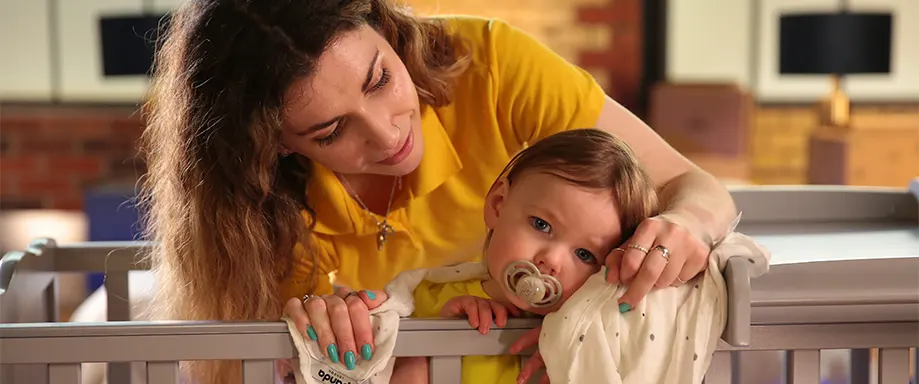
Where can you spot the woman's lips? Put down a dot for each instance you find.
(403, 152)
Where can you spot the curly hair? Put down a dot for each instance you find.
(224, 209)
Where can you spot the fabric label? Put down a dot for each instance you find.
(325, 374)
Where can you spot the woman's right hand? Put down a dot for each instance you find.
(340, 323)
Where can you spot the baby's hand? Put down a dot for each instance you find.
(479, 311)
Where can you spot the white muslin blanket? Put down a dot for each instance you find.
(314, 368)
(668, 338)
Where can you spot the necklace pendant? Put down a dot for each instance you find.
(385, 230)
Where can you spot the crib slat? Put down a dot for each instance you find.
(446, 369)
(803, 367)
(720, 370)
(166, 372)
(258, 371)
(64, 374)
(893, 366)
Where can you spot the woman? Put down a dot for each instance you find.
(292, 140)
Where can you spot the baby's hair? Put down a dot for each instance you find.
(593, 159)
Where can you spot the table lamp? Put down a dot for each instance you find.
(835, 44)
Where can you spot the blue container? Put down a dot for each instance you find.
(111, 216)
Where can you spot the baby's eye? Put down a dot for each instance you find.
(585, 255)
(540, 224)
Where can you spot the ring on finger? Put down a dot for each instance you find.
(352, 293)
(665, 253)
(306, 297)
(639, 247)
(680, 280)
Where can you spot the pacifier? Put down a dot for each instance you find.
(524, 280)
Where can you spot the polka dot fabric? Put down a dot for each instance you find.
(669, 338)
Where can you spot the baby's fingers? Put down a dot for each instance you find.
(499, 312)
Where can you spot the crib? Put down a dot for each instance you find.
(821, 237)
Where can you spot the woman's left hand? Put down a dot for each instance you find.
(660, 253)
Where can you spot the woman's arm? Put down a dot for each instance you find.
(689, 196)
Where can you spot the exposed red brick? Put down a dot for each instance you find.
(20, 202)
(19, 164)
(45, 184)
(80, 165)
(9, 184)
(14, 125)
(47, 144)
(76, 125)
(69, 202)
(622, 59)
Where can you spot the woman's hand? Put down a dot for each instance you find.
(661, 253)
(340, 323)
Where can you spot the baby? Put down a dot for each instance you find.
(553, 215)
(555, 212)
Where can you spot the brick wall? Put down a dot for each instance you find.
(603, 36)
(50, 154)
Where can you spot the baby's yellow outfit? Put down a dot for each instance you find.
(430, 298)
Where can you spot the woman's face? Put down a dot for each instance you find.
(358, 113)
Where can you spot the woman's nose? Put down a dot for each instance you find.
(383, 134)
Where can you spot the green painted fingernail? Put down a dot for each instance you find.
(311, 333)
(607, 272)
(350, 360)
(624, 307)
(370, 295)
(366, 352)
(333, 352)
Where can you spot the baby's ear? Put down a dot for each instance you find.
(494, 201)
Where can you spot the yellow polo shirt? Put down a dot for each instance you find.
(516, 91)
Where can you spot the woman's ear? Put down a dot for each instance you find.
(494, 201)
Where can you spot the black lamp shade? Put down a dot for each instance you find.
(835, 43)
(128, 43)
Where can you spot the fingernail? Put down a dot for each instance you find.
(333, 352)
(624, 307)
(366, 352)
(350, 360)
(607, 272)
(370, 295)
(311, 333)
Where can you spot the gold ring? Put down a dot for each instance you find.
(352, 293)
(617, 249)
(638, 247)
(306, 297)
(665, 253)
(680, 280)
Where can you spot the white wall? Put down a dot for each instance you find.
(709, 40)
(736, 41)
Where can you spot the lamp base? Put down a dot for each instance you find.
(834, 109)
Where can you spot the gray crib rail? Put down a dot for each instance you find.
(880, 312)
(57, 349)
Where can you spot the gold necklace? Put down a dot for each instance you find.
(383, 227)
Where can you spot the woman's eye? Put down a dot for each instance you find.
(540, 224)
(585, 255)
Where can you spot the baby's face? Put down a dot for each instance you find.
(565, 230)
